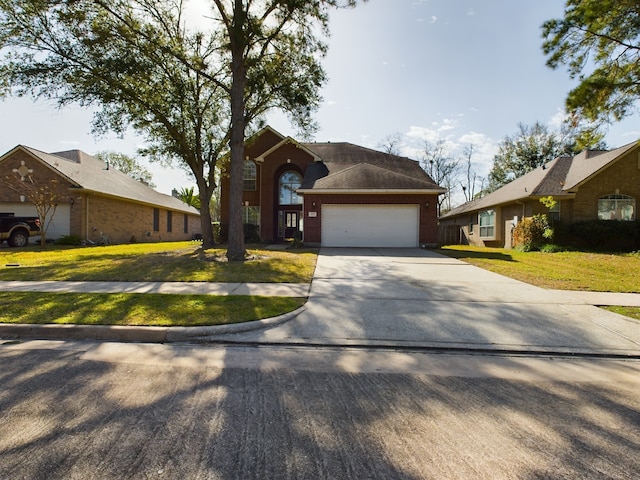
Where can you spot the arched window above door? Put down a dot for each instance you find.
(287, 185)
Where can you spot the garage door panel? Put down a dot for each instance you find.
(59, 226)
(370, 225)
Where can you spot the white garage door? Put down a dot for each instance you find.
(370, 225)
(60, 225)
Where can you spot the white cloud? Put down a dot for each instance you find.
(558, 119)
(484, 149)
(434, 19)
(471, 12)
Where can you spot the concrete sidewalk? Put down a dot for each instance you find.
(384, 297)
(178, 288)
(263, 290)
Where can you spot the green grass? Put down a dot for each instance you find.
(596, 272)
(180, 261)
(633, 312)
(139, 309)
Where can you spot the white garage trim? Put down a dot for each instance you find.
(370, 225)
(60, 224)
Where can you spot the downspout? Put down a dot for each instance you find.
(86, 224)
(259, 180)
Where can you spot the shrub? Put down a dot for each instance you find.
(553, 248)
(531, 233)
(251, 233)
(69, 240)
(601, 235)
(297, 240)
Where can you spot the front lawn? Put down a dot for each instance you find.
(139, 309)
(180, 261)
(596, 272)
(177, 261)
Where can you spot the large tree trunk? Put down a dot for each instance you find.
(205, 217)
(236, 250)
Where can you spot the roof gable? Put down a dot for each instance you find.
(588, 164)
(286, 141)
(88, 173)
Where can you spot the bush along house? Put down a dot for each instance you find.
(594, 191)
(94, 203)
(334, 194)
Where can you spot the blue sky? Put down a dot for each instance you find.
(463, 71)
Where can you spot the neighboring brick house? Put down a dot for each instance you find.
(591, 185)
(336, 194)
(95, 199)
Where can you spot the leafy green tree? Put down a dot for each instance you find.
(532, 146)
(127, 165)
(599, 43)
(191, 92)
(45, 195)
(132, 60)
(272, 50)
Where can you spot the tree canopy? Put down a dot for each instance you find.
(531, 147)
(599, 43)
(191, 91)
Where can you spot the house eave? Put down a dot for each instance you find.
(86, 191)
(377, 191)
(286, 140)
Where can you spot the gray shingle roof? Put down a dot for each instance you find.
(371, 177)
(558, 178)
(89, 173)
(352, 167)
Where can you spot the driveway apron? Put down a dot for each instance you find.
(418, 298)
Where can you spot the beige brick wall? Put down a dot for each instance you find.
(621, 178)
(119, 219)
(124, 221)
(40, 174)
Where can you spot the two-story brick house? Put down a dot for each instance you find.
(591, 185)
(335, 194)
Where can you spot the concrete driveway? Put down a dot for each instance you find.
(418, 298)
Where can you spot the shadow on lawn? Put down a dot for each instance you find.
(480, 254)
(184, 264)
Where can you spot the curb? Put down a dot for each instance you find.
(119, 333)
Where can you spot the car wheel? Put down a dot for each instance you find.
(19, 238)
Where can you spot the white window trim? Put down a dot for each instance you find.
(493, 225)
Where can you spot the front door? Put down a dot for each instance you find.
(291, 224)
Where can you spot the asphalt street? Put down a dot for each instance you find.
(526, 383)
(77, 410)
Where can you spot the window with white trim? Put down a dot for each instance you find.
(617, 207)
(249, 176)
(251, 215)
(487, 221)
